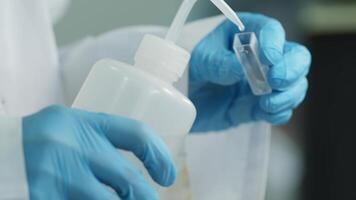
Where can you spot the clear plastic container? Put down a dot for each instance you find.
(145, 92)
(246, 48)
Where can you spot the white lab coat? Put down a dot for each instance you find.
(35, 74)
(29, 80)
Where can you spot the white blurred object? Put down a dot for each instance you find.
(29, 81)
(28, 57)
(12, 172)
(285, 168)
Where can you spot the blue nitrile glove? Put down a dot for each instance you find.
(219, 89)
(71, 153)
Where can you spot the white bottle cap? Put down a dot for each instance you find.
(161, 58)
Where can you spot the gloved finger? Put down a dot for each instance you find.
(290, 99)
(294, 65)
(270, 33)
(134, 136)
(90, 188)
(275, 119)
(128, 182)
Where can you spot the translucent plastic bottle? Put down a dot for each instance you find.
(145, 92)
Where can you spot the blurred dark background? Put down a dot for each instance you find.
(314, 156)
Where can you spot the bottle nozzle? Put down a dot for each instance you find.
(229, 13)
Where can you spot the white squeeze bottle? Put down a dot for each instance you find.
(145, 92)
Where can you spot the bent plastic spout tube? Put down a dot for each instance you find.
(229, 13)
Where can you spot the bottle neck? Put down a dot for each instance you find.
(162, 58)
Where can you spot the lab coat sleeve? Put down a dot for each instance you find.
(13, 183)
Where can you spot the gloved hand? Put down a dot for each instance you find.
(71, 153)
(219, 89)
